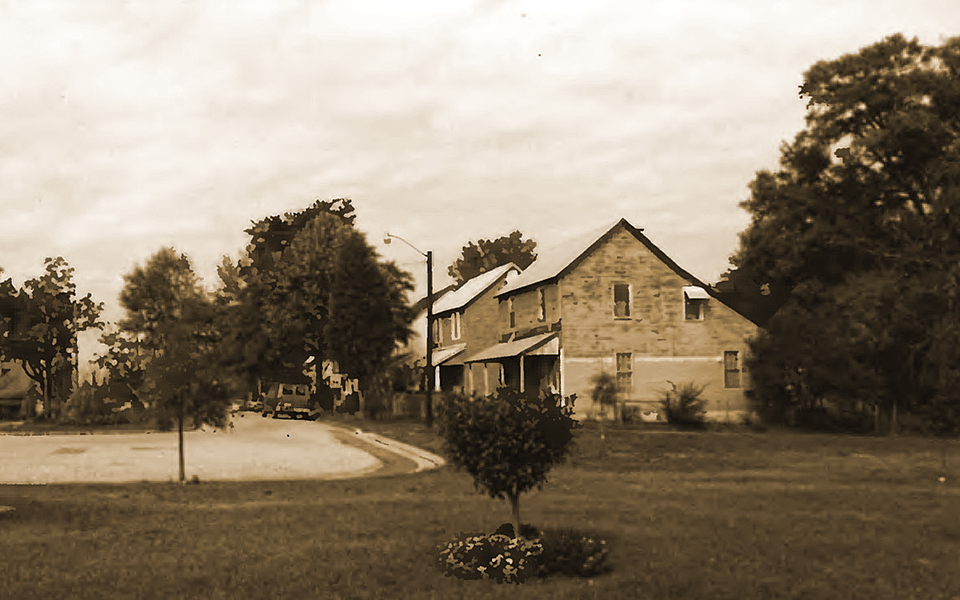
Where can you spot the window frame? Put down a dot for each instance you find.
(456, 326)
(700, 303)
(624, 391)
(629, 301)
(736, 371)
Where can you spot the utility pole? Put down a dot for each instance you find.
(429, 367)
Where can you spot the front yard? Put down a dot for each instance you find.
(687, 515)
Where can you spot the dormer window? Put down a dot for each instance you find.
(694, 303)
(621, 301)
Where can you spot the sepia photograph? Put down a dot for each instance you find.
(348, 299)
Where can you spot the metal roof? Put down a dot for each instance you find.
(472, 288)
(545, 343)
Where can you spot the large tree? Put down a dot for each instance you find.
(862, 222)
(176, 326)
(486, 255)
(325, 294)
(40, 326)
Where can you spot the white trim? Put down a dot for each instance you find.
(696, 293)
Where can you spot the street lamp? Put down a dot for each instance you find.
(429, 358)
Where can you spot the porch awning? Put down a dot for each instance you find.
(444, 354)
(543, 344)
(696, 293)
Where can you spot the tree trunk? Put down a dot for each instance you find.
(46, 391)
(515, 505)
(893, 419)
(183, 475)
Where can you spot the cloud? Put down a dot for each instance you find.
(133, 125)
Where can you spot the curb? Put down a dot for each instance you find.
(423, 459)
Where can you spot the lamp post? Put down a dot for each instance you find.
(428, 417)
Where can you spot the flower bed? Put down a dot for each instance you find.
(507, 559)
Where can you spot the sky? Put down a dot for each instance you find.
(130, 125)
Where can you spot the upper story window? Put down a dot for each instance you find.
(455, 326)
(694, 303)
(513, 313)
(436, 331)
(621, 300)
(541, 305)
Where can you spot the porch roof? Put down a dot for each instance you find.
(444, 354)
(545, 344)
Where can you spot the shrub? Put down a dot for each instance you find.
(571, 553)
(683, 406)
(508, 441)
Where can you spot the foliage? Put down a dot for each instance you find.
(571, 553)
(91, 404)
(508, 441)
(507, 558)
(39, 327)
(311, 287)
(504, 559)
(177, 323)
(604, 390)
(682, 404)
(486, 255)
(862, 222)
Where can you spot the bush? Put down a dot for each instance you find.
(683, 406)
(507, 559)
(571, 553)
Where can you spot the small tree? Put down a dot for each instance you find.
(177, 323)
(508, 441)
(604, 394)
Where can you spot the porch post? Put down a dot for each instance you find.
(522, 357)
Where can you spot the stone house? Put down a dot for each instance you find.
(464, 322)
(614, 302)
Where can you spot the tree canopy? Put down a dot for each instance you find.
(39, 326)
(862, 222)
(485, 255)
(323, 293)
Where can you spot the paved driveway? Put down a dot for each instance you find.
(255, 448)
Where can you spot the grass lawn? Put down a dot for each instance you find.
(687, 515)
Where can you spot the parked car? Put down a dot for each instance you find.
(290, 399)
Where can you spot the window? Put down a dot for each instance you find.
(436, 331)
(731, 369)
(513, 314)
(542, 303)
(621, 301)
(694, 301)
(455, 326)
(625, 373)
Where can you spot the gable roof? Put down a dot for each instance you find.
(420, 306)
(560, 260)
(472, 289)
